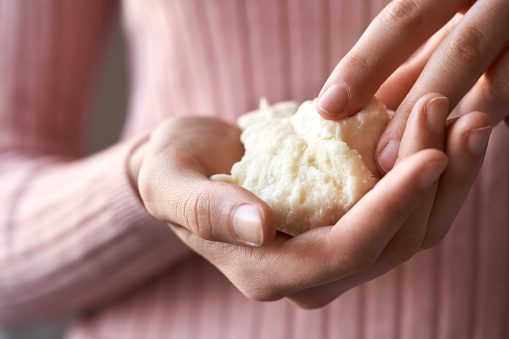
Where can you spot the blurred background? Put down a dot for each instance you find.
(109, 108)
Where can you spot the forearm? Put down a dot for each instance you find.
(74, 234)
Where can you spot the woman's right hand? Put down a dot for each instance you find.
(171, 172)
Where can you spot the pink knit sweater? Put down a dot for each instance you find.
(74, 237)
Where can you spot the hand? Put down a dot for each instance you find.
(467, 60)
(171, 172)
(407, 212)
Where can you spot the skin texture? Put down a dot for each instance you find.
(415, 204)
(466, 59)
(430, 166)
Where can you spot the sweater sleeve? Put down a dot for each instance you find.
(73, 233)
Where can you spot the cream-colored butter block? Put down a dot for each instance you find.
(309, 170)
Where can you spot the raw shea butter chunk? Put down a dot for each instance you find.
(309, 170)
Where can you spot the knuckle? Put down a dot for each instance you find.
(311, 303)
(314, 304)
(435, 234)
(360, 63)
(257, 279)
(196, 209)
(402, 12)
(496, 81)
(460, 184)
(257, 293)
(356, 64)
(433, 239)
(464, 181)
(466, 48)
(358, 260)
(261, 289)
(404, 251)
(396, 210)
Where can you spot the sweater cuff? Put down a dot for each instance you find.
(125, 203)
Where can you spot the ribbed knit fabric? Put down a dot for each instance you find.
(75, 238)
(67, 222)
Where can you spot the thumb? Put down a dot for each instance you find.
(216, 211)
(223, 212)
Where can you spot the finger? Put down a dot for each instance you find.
(425, 129)
(396, 87)
(325, 254)
(389, 40)
(392, 201)
(466, 146)
(491, 92)
(360, 240)
(466, 53)
(462, 57)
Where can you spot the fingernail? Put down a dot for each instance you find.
(478, 140)
(431, 173)
(333, 100)
(248, 225)
(437, 110)
(389, 155)
(451, 122)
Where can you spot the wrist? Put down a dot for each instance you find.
(134, 163)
